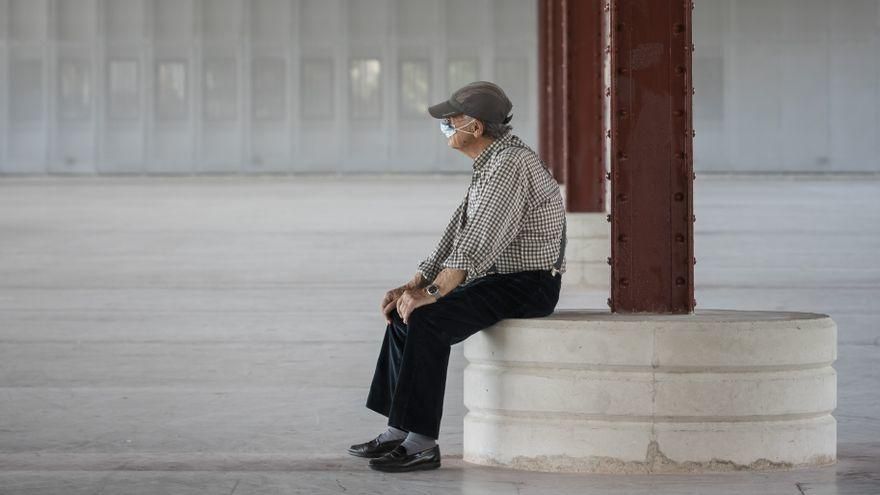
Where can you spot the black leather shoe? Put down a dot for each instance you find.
(398, 460)
(374, 448)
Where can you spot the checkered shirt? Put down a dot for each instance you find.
(511, 219)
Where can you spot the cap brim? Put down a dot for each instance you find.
(443, 110)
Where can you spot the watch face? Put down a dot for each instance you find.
(433, 289)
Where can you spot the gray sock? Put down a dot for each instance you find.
(391, 433)
(416, 443)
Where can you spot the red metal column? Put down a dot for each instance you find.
(583, 87)
(652, 246)
(557, 103)
(570, 39)
(546, 84)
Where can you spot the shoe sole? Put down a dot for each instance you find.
(416, 467)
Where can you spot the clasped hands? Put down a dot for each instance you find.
(405, 300)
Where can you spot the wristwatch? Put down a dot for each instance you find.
(433, 290)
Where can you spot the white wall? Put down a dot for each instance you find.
(787, 85)
(203, 86)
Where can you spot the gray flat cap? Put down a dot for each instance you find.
(481, 99)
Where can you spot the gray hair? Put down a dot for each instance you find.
(495, 130)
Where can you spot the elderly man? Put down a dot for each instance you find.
(501, 256)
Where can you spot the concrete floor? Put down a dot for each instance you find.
(218, 335)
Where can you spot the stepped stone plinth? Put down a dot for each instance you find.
(591, 391)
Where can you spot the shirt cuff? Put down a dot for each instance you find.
(429, 269)
(459, 261)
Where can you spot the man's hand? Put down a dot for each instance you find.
(390, 301)
(412, 299)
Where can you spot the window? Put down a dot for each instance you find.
(221, 89)
(173, 19)
(171, 93)
(365, 90)
(268, 89)
(512, 74)
(460, 72)
(414, 88)
(708, 74)
(27, 86)
(74, 90)
(269, 20)
(123, 87)
(316, 89)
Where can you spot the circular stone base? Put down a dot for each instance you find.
(586, 251)
(591, 391)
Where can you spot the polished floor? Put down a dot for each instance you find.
(218, 335)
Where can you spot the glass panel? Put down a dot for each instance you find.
(367, 18)
(26, 89)
(416, 17)
(467, 21)
(124, 19)
(27, 20)
(75, 20)
(221, 19)
(269, 20)
(512, 74)
(174, 19)
(317, 18)
(171, 92)
(268, 89)
(221, 89)
(414, 91)
(709, 78)
(461, 72)
(124, 88)
(74, 90)
(514, 19)
(365, 90)
(316, 89)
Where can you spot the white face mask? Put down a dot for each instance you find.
(450, 131)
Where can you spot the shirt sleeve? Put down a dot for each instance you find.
(496, 221)
(430, 266)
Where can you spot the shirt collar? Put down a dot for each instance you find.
(483, 158)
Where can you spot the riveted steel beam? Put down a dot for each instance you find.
(651, 150)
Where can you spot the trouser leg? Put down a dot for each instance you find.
(417, 403)
(388, 367)
(418, 399)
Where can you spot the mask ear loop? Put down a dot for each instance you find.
(474, 133)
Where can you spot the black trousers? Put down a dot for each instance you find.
(410, 378)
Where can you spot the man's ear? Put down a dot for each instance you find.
(478, 128)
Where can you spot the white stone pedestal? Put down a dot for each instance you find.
(591, 391)
(587, 251)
